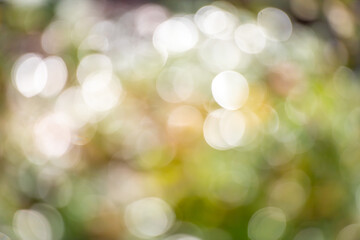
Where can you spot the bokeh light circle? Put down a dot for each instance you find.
(31, 225)
(148, 217)
(175, 35)
(30, 74)
(230, 89)
(249, 38)
(275, 24)
(267, 224)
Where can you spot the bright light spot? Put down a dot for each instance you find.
(148, 217)
(175, 85)
(31, 225)
(232, 127)
(267, 224)
(185, 116)
(275, 24)
(101, 91)
(182, 237)
(91, 64)
(249, 38)
(230, 90)
(350, 232)
(56, 76)
(29, 74)
(52, 135)
(71, 103)
(175, 35)
(310, 233)
(98, 39)
(225, 129)
(215, 22)
(220, 55)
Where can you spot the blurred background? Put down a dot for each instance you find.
(179, 120)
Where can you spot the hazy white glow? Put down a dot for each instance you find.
(148, 217)
(123, 185)
(267, 224)
(224, 129)
(185, 116)
(99, 37)
(212, 132)
(175, 35)
(95, 43)
(220, 55)
(29, 74)
(249, 38)
(148, 17)
(232, 127)
(72, 104)
(230, 90)
(175, 85)
(91, 64)
(275, 24)
(31, 225)
(54, 39)
(54, 218)
(147, 62)
(215, 22)
(101, 91)
(56, 76)
(52, 135)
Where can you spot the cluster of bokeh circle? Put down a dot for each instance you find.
(224, 41)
